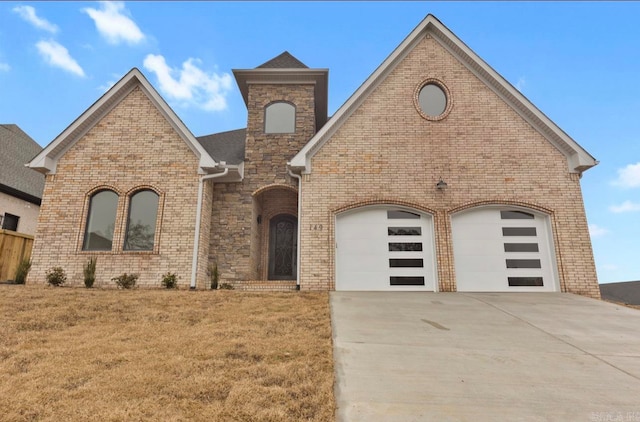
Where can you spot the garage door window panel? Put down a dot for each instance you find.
(405, 247)
(521, 247)
(519, 231)
(406, 263)
(406, 281)
(526, 282)
(404, 231)
(516, 215)
(523, 263)
(402, 215)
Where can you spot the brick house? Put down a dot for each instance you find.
(435, 175)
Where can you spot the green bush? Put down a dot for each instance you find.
(22, 271)
(56, 276)
(226, 286)
(214, 275)
(170, 280)
(90, 272)
(126, 281)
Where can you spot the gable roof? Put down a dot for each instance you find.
(578, 159)
(46, 161)
(15, 179)
(225, 146)
(283, 61)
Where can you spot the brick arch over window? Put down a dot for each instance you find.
(144, 209)
(280, 117)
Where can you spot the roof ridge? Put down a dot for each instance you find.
(284, 60)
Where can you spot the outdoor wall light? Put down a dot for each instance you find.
(260, 219)
(441, 185)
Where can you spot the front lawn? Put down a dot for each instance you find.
(120, 355)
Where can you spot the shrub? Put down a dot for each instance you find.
(56, 276)
(170, 280)
(90, 272)
(22, 271)
(215, 276)
(226, 286)
(126, 281)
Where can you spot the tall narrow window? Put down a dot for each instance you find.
(141, 224)
(280, 118)
(98, 235)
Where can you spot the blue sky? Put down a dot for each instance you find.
(578, 62)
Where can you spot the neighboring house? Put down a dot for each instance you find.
(436, 174)
(20, 187)
(624, 292)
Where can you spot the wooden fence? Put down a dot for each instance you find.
(14, 247)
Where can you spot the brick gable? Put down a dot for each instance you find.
(385, 152)
(132, 146)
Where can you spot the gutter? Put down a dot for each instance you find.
(297, 176)
(196, 239)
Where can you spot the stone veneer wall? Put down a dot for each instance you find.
(236, 237)
(132, 146)
(387, 153)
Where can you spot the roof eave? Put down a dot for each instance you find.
(46, 161)
(318, 77)
(431, 25)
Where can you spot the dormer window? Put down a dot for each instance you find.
(280, 117)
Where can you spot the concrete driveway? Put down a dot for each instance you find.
(484, 356)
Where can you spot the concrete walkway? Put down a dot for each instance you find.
(484, 357)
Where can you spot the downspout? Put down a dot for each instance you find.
(297, 176)
(196, 240)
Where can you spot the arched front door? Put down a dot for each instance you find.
(283, 247)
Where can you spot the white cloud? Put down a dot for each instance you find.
(597, 231)
(58, 56)
(193, 86)
(28, 13)
(609, 267)
(522, 82)
(113, 23)
(4, 67)
(629, 176)
(626, 206)
(111, 82)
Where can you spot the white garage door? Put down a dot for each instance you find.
(501, 250)
(384, 248)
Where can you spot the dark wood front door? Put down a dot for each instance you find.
(283, 248)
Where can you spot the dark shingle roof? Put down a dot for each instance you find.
(283, 61)
(225, 146)
(624, 292)
(17, 148)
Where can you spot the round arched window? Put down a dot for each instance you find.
(433, 100)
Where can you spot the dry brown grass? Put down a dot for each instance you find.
(113, 355)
